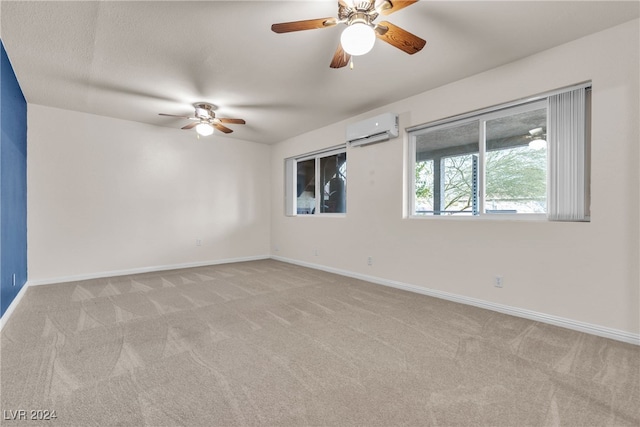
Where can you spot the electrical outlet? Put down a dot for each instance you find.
(276, 248)
(370, 260)
(316, 252)
(498, 282)
(198, 242)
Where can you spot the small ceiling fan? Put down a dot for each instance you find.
(361, 32)
(205, 120)
(538, 137)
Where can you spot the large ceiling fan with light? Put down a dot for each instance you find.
(361, 32)
(205, 120)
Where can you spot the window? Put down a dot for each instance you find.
(446, 163)
(498, 162)
(317, 183)
(516, 162)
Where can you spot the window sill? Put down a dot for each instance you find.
(321, 215)
(484, 217)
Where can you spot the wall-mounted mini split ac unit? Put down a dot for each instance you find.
(376, 129)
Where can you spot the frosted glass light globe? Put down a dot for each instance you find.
(204, 129)
(358, 39)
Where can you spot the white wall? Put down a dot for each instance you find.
(587, 272)
(108, 195)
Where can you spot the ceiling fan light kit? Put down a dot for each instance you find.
(204, 129)
(538, 139)
(358, 39)
(205, 120)
(361, 32)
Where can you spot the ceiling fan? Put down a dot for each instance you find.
(361, 32)
(538, 138)
(205, 120)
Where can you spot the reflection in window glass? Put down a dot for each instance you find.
(516, 163)
(424, 187)
(333, 180)
(321, 183)
(459, 177)
(306, 189)
(446, 170)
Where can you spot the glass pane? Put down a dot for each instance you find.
(424, 188)
(333, 179)
(459, 184)
(446, 172)
(516, 163)
(306, 187)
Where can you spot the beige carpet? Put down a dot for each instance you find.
(269, 343)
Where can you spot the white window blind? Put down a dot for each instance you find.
(567, 152)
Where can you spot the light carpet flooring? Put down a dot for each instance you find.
(273, 344)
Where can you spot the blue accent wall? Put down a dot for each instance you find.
(13, 184)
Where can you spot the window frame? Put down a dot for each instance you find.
(291, 182)
(481, 116)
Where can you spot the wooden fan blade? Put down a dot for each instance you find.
(190, 125)
(173, 115)
(222, 128)
(233, 121)
(400, 38)
(390, 6)
(340, 58)
(309, 24)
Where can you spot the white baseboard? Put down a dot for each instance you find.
(114, 273)
(575, 325)
(13, 305)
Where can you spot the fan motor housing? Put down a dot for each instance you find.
(204, 110)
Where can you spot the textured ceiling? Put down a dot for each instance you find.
(133, 60)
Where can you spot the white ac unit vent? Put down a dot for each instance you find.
(376, 129)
